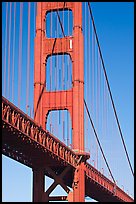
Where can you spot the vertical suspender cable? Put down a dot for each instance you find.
(59, 70)
(85, 74)
(105, 108)
(90, 81)
(86, 61)
(51, 75)
(35, 7)
(95, 96)
(63, 69)
(20, 55)
(71, 79)
(89, 52)
(98, 98)
(86, 68)
(93, 79)
(104, 136)
(13, 55)
(63, 115)
(68, 85)
(96, 113)
(63, 128)
(57, 49)
(87, 65)
(9, 37)
(50, 72)
(68, 79)
(104, 122)
(5, 51)
(55, 59)
(56, 125)
(28, 58)
(99, 82)
(57, 66)
(102, 107)
(41, 88)
(59, 62)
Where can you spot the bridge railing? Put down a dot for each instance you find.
(98, 177)
(15, 117)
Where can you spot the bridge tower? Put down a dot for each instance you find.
(72, 99)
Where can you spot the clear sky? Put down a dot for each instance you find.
(115, 28)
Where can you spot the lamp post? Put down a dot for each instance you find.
(110, 177)
(102, 170)
(27, 106)
(122, 187)
(94, 163)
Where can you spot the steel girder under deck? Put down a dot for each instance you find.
(24, 141)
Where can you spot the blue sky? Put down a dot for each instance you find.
(116, 36)
(115, 28)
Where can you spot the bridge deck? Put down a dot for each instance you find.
(24, 141)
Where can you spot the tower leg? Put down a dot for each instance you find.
(79, 184)
(38, 185)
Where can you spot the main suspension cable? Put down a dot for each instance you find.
(113, 105)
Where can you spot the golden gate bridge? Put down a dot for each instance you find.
(61, 127)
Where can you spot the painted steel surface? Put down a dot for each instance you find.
(26, 142)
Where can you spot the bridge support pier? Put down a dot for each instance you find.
(39, 195)
(38, 186)
(78, 194)
(79, 184)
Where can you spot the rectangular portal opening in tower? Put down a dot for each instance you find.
(59, 124)
(58, 72)
(59, 23)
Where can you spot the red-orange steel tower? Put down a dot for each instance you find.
(73, 99)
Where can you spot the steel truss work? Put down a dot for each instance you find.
(26, 142)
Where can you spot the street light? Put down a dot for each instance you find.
(122, 187)
(27, 106)
(102, 170)
(110, 177)
(94, 162)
